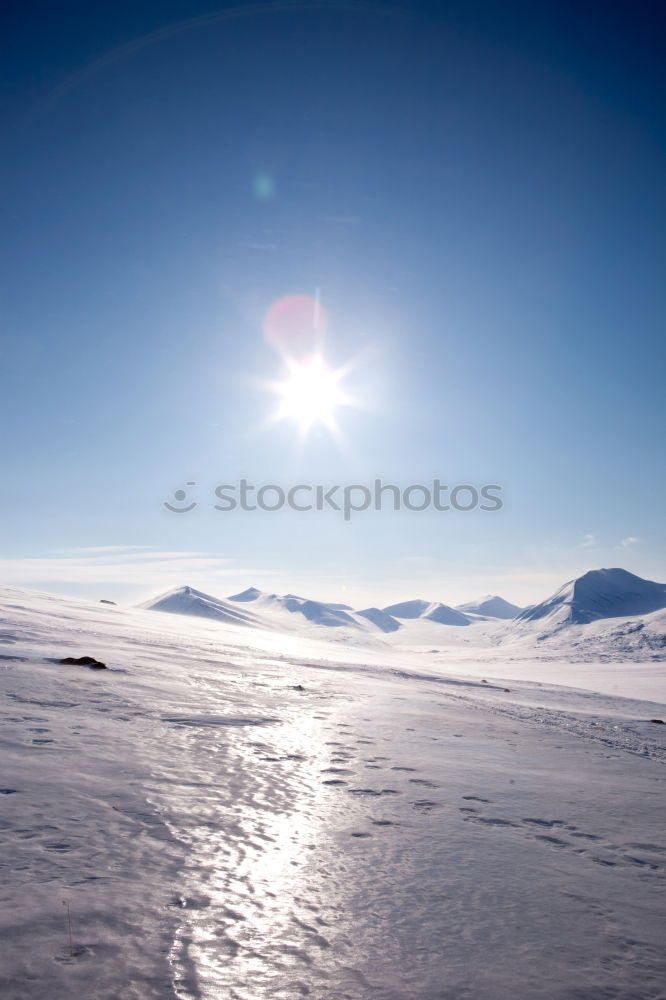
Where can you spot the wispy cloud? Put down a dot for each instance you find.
(84, 549)
(587, 541)
(629, 540)
(128, 569)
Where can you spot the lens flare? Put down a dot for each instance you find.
(263, 186)
(295, 326)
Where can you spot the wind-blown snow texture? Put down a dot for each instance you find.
(251, 813)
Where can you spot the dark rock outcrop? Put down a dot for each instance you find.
(84, 661)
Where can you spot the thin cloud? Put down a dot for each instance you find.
(92, 549)
(630, 540)
(587, 541)
(147, 570)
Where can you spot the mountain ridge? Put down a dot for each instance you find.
(593, 597)
(598, 594)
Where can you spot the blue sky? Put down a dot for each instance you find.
(476, 189)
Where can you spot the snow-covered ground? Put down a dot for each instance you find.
(249, 813)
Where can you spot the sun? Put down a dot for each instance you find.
(310, 394)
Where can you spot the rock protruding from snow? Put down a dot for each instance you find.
(491, 606)
(84, 661)
(431, 611)
(601, 593)
(188, 601)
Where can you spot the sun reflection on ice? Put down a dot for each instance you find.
(261, 915)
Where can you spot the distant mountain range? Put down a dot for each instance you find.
(317, 612)
(434, 612)
(595, 596)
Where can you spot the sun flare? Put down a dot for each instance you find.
(310, 394)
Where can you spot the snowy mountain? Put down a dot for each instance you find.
(601, 593)
(604, 614)
(383, 621)
(251, 594)
(267, 610)
(491, 606)
(431, 611)
(188, 601)
(316, 612)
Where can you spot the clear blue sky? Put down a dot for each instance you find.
(477, 189)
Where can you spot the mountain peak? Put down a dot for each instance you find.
(188, 601)
(491, 606)
(599, 593)
(431, 610)
(380, 618)
(251, 594)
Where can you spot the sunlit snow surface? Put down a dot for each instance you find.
(397, 829)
